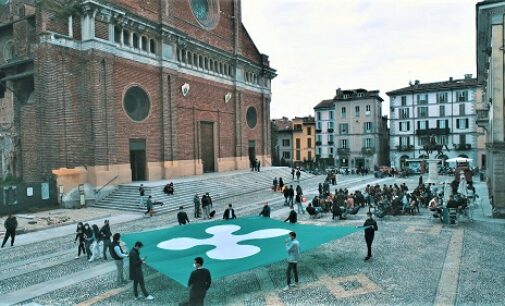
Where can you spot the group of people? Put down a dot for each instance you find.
(255, 165)
(92, 241)
(203, 206)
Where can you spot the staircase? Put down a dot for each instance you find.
(219, 185)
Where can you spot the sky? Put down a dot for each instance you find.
(317, 46)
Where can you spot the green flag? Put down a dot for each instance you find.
(227, 246)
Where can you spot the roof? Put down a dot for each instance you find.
(282, 125)
(435, 86)
(305, 120)
(347, 95)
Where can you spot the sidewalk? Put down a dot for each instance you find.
(60, 231)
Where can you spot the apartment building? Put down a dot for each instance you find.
(303, 140)
(282, 142)
(350, 129)
(442, 110)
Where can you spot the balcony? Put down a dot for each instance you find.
(318, 143)
(483, 118)
(462, 146)
(405, 148)
(318, 131)
(343, 151)
(435, 131)
(298, 129)
(367, 151)
(330, 130)
(330, 143)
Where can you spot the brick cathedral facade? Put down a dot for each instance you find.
(99, 91)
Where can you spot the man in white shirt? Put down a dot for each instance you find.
(229, 213)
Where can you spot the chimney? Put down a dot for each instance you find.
(339, 92)
(416, 82)
(450, 79)
(468, 76)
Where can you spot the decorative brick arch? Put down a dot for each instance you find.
(207, 116)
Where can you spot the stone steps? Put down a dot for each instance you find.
(220, 186)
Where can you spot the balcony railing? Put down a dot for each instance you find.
(330, 130)
(343, 151)
(318, 130)
(462, 146)
(330, 143)
(367, 151)
(434, 131)
(405, 148)
(318, 143)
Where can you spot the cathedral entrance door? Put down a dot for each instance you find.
(138, 159)
(207, 146)
(252, 150)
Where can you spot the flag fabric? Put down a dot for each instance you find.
(227, 246)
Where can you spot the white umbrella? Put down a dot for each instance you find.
(458, 160)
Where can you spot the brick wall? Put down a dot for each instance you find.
(148, 9)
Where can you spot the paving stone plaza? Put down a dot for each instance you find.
(417, 261)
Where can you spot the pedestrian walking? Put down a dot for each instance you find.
(88, 239)
(281, 184)
(291, 196)
(265, 211)
(198, 283)
(293, 174)
(95, 243)
(229, 213)
(196, 201)
(274, 184)
(258, 165)
(149, 207)
(206, 206)
(105, 235)
(298, 173)
(420, 180)
(142, 193)
(293, 250)
(292, 218)
(10, 225)
(370, 228)
(117, 253)
(298, 201)
(136, 274)
(182, 216)
(79, 237)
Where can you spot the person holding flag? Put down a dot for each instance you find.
(370, 228)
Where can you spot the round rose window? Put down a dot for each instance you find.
(206, 12)
(251, 117)
(136, 103)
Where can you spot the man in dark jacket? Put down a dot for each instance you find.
(105, 235)
(265, 212)
(229, 213)
(10, 227)
(292, 216)
(117, 254)
(136, 274)
(371, 227)
(291, 195)
(182, 217)
(196, 201)
(198, 283)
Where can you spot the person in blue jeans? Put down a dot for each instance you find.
(293, 250)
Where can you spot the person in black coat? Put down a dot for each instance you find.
(229, 213)
(198, 283)
(136, 274)
(265, 212)
(292, 216)
(105, 235)
(182, 216)
(371, 227)
(10, 229)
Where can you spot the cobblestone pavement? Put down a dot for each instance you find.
(417, 261)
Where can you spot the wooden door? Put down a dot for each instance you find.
(207, 146)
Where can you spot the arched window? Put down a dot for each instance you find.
(143, 41)
(126, 38)
(135, 40)
(117, 34)
(152, 46)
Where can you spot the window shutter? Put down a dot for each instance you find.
(408, 125)
(457, 123)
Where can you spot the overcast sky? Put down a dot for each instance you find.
(318, 46)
